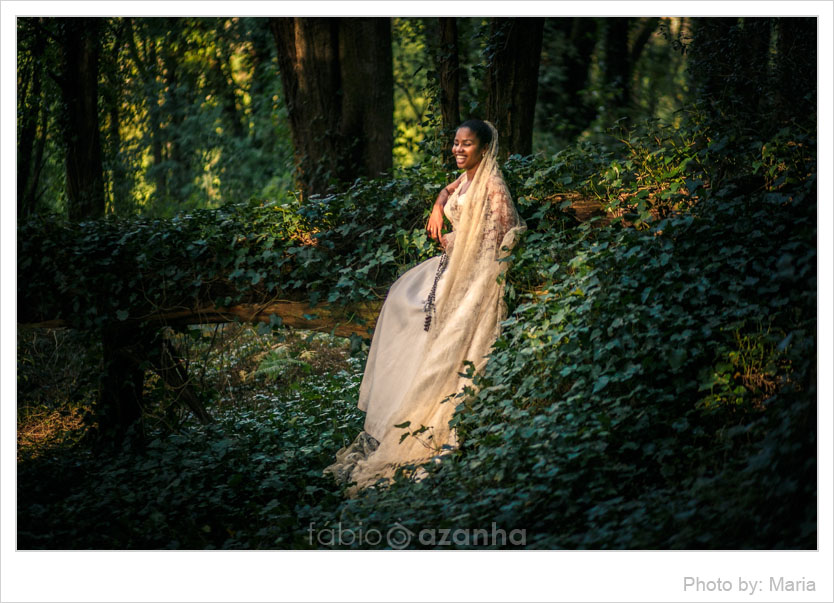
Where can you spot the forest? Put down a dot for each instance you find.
(210, 212)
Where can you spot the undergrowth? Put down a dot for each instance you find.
(654, 385)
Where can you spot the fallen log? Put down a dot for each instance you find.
(356, 319)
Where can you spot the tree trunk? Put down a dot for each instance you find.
(449, 73)
(512, 81)
(796, 69)
(113, 95)
(32, 195)
(146, 67)
(754, 44)
(179, 174)
(120, 392)
(79, 85)
(367, 111)
(472, 98)
(339, 89)
(32, 108)
(646, 30)
(711, 65)
(568, 45)
(448, 70)
(617, 69)
(224, 86)
(260, 57)
(308, 57)
(128, 350)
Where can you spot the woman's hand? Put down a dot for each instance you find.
(435, 224)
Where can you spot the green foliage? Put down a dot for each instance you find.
(191, 111)
(660, 392)
(341, 248)
(412, 65)
(95, 273)
(242, 482)
(653, 387)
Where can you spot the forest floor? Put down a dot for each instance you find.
(304, 384)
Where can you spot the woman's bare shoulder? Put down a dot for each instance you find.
(453, 186)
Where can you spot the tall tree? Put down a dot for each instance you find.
(754, 48)
(513, 56)
(567, 51)
(177, 90)
(796, 69)
(367, 109)
(142, 48)
(113, 97)
(624, 41)
(447, 64)
(729, 67)
(338, 86)
(80, 43)
(448, 69)
(581, 43)
(617, 69)
(32, 111)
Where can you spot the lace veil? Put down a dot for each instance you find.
(469, 310)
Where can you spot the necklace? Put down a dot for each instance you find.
(430, 307)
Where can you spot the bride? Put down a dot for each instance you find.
(438, 314)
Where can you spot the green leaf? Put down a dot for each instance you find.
(601, 383)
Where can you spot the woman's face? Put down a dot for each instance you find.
(467, 149)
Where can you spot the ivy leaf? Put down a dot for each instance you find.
(783, 345)
(601, 383)
(676, 358)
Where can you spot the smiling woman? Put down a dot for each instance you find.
(438, 317)
(470, 145)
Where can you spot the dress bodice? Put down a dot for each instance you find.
(452, 208)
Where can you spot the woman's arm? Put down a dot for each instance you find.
(435, 223)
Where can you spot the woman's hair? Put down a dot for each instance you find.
(480, 128)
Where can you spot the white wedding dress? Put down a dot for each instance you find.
(399, 338)
(396, 350)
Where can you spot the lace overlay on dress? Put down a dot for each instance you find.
(347, 458)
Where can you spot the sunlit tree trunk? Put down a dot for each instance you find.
(113, 97)
(145, 62)
(308, 57)
(80, 39)
(512, 80)
(224, 85)
(31, 137)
